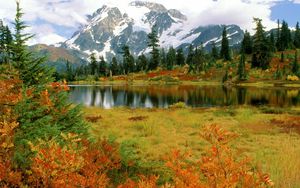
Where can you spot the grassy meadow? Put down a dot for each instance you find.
(270, 137)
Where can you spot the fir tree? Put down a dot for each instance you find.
(102, 67)
(278, 41)
(2, 42)
(180, 57)
(225, 51)
(69, 71)
(214, 51)
(295, 66)
(43, 113)
(272, 42)
(114, 67)
(190, 56)
(163, 57)
(247, 44)
(285, 37)
(93, 64)
(199, 60)
(261, 50)
(31, 68)
(128, 60)
(171, 58)
(153, 44)
(142, 63)
(242, 68)
(297, 36)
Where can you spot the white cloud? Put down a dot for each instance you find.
(72, 13)
(44, 34)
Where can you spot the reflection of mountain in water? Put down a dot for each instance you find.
(195, 96)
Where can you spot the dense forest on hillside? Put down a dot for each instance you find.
(259, 50)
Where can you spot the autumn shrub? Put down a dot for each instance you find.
(79, 163)
(9, 96)
(220, 166)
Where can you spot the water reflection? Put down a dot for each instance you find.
(194, 96)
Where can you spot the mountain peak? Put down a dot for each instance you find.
(112, 27)
(150, 5)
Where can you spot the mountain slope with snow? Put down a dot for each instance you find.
(110, 28)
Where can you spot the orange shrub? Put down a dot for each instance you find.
(77, 164)
(219, 167)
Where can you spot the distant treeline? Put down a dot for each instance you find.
(260, 46)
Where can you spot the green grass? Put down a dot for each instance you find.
(151, 139)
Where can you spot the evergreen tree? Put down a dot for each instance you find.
(297, 36)
(128, 61)
(247, 44)
(114, 67)
(225, 51)
(69, 72)
(214, 51)
(43, 113)
(31, 69)
(295, 66)
(190, 56)
(102, 67)
(163, 57)
(285, 36)
(180, 57)
(261, 50)
(242, 68)
(153, 44)
(93, 65)
(142, 63)
(171, 58)
(198, 61)
(272, 42)
(2, 42)
(278, 41)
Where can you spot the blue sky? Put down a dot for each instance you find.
(56, 20)
(288, 11)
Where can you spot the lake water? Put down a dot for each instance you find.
(194, 96)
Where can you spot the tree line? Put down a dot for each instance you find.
(261, 46)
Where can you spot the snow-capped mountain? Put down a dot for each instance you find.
(110, 28)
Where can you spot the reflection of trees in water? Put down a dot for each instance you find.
(196, 96)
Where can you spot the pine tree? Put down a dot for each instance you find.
(297, 36)
(295, 66)
(114, 66)
(261, 50)
(142, 63)
(199, 60)
(285, 36)
(225, 51)
(2, 42)
(247, 45)
(242, 68)
(171, 58)
(44, 111)
(272, 42)
(214, 51)
(180, 57)
(102, 67)
(69, 71)
(278, 41)
(31, 68)
(190, 56)
(93, 64)
(128, 61)
(153, 43)
(163, 57)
